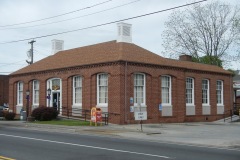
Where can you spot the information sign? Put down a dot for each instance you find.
(140, 115)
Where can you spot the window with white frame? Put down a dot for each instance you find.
(77, 90)
(35, 92)
(20, 93)
(139, 89)
(166, 90)
(102, 89)
(189, 91)
(219, 89)
(205, 92)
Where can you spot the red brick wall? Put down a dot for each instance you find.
(4, 83)
(118, 102)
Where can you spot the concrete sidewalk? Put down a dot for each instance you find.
(211, 134)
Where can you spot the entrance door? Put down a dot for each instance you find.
(56, 101)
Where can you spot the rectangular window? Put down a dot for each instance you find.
(139, 89)
(102, 86)
(219, 89)
(35, 92)
(20, 93)
(205, 92)
(77, 90)
(166, 90)
(189, 91)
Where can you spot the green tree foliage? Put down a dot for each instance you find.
(213, 60)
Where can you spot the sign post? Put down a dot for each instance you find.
(142, 115)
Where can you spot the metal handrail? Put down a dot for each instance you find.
(85, 114)
(225, 112)
(236, 107)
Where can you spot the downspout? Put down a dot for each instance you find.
(67, 96)
(231, 91)
(125, 87)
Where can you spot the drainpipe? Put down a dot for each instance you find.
(125, 109)
(231, 94)
(67, 95)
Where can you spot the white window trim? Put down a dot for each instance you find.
(73, 100)
(208, 96)
(19, 104)
(193, 95)
(221, 104)
(49, 85)
(33, 93)
(101, 104)
(144, 90)
(170, 92)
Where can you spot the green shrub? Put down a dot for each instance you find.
(9, 115)
(44, 113)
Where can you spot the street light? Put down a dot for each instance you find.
(27, 97)
(49, 93)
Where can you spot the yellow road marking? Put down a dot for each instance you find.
(5, 158)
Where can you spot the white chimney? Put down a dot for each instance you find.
(57, 45)
(124, 32)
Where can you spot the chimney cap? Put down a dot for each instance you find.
(57, 45)
(124, 32)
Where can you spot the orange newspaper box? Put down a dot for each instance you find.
(96, 115)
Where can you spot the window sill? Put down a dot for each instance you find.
(166, 105)
(76, 105)
(102, 105)
(206, 105)
(220, 105)
(190, 105)
(142, 105)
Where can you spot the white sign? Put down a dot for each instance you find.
(140, 115)
(131, 108)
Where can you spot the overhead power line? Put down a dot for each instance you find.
(69, 19)
(57, 15)
(13, 63)
(104, 24)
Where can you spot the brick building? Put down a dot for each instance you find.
(3, 89)
(236, 85)
(118, 74)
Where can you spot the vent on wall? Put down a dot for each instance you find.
(124, 32)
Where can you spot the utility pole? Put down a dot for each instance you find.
(31, 52)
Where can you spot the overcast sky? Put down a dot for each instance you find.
(146, 31)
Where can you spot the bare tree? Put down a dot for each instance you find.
(210, 30)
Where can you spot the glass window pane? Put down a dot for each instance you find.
(139, 88)
(102, 88)
(77, 90)
(165, 81)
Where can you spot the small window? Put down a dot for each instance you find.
(219, 90)
(35, 92)
(205, 92)
(102, 89)
(139, 89)
(189, 91)
(20, 93)
(166, 90)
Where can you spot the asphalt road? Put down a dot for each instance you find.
(24, 144)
